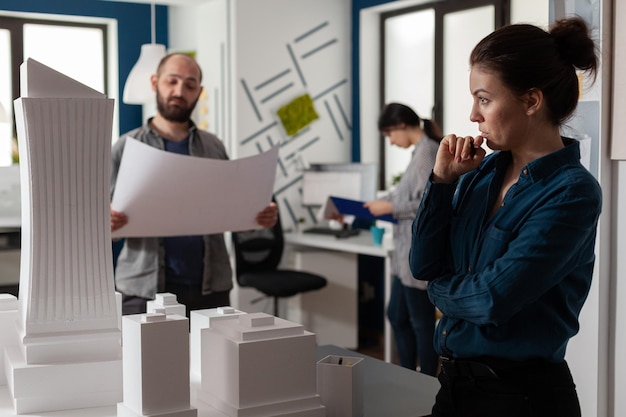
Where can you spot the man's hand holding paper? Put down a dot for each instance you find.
(149, 193)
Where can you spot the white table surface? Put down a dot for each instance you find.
(389, 390)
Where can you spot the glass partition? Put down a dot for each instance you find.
(84, 61)
(410, 69)
(462, 30)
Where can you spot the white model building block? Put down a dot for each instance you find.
(259, 366)
(8, 328)
(156, 366)
(340, 384)
(118, 307)
(61, 386)
(69, 350)
(169, 302)
(201, 319)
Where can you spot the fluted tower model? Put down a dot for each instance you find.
(68, 324)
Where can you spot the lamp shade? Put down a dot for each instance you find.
(138, 89)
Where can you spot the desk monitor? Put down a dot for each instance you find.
(348, 180)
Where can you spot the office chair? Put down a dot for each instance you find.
(257, 256)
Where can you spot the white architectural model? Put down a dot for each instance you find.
(202, 319)
(340, 384)
(167, 301)
(69, 352)
(156, 366)
(259, 365)
(8, 333)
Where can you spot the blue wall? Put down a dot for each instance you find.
(357, 5)
(133, 25)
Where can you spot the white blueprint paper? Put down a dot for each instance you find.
(167, 194)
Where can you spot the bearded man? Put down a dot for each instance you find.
(195, 268)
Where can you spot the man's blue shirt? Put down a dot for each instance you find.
(184, 255)
(511, 285)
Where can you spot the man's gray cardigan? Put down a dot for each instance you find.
(140, 269)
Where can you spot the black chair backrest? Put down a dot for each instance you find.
(258, 250)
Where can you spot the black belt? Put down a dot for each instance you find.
(466, 368)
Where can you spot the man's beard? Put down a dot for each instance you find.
(174, 113)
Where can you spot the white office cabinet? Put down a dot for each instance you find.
(9, 266)
(332, 313)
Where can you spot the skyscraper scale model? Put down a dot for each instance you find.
(69, 350)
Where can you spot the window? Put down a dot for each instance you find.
(425, 51)
(5, 98)
(74, 48)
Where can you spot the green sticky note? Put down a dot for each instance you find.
(297, 114)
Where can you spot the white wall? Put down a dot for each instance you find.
(258, 56)
(206, 32)
(618, 293)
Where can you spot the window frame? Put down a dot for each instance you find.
(502, 16)
(15, 25)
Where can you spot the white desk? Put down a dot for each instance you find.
(361, 244)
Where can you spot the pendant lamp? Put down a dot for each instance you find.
(138, 89)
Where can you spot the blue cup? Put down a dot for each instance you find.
(377, 235)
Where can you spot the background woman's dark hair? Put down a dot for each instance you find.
(395, 114)
(526, 57)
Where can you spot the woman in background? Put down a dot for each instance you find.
(507, 241)
(411, 314)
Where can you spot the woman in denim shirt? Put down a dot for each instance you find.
(506, 241)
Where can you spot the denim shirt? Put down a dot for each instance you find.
(511, 285)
